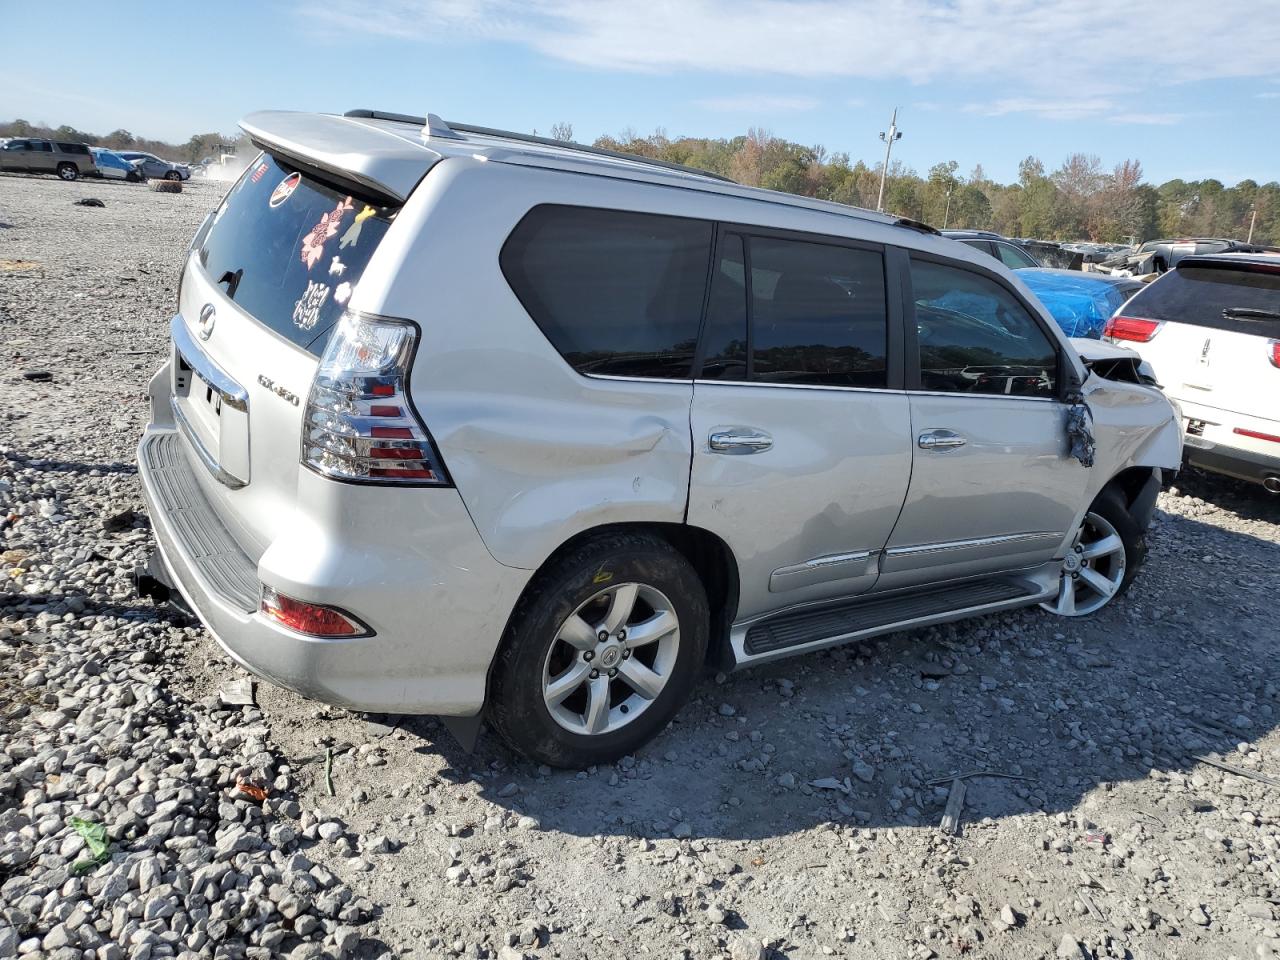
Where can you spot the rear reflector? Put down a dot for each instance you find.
(312, 619)
(1256, 435)
(1273, 346)
(1131, 328)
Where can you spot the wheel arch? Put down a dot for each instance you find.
(1139, 487)
(711, 558)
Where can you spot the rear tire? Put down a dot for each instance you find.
(1108, 550)
(68, 171)
(563, 696)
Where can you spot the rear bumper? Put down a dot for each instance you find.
(408, 563)
(1230, 461)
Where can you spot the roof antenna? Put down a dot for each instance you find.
(435, 127)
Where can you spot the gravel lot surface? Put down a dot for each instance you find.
(791, 811)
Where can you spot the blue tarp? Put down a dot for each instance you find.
(1079, 302)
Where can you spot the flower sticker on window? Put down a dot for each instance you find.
(352, 235)
(306, 312)
(343, 293)
(313, 243)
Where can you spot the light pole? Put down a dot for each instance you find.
(888, 138)
(947, 215)
(1253, 218)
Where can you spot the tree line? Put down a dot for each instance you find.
(1079, 200)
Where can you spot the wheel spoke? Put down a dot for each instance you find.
(1103, 548)
(578, 633)
(1067, 597)
(565, 684)
(1099, 583)
(660, 625)
(597, 715)
(621, 603)
(641, 679)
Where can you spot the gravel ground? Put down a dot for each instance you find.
(789, 811)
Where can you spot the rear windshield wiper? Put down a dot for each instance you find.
(1250, 313)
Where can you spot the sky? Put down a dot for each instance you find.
(1189, 89)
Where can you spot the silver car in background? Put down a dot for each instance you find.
(470, 423)
(153, 168)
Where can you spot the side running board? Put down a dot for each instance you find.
(836, 623)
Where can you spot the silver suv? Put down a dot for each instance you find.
(469, 423)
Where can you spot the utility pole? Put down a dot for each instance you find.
(893, 134)
(1253, 218)
(947, 215)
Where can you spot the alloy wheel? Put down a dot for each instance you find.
(611, 659)
(1092, 571)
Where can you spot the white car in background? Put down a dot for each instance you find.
(1211, 329)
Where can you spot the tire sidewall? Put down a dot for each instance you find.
(68, 172)
(519, 710)
(1111, 506)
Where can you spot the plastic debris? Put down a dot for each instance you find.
(95, 838)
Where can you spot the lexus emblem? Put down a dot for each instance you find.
(208, 317)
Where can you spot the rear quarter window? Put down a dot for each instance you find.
(617, 293)
(290, 248)
(1221, 297)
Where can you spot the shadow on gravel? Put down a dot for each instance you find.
(1184, 665)
(31, 604)
(1246, 500)
(75, 466)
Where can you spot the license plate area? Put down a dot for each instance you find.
(211, 409)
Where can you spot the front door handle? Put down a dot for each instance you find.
(740, 441)
(940, 440)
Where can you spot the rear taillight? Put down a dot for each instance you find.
(1131, 328)
(313, 619)
(359, 424)
(1273, 352)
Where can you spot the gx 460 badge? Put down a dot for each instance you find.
(285, 395)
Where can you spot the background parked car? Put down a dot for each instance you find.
(154, 168)
(1081, 303)
(1157, 256)
(1007, 251)
(34, 155)
(112, 166)
(1211, 328)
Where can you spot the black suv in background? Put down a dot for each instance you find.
(31, 155)
(1003, 249)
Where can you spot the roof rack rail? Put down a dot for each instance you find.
(917, 225)
(437, 127)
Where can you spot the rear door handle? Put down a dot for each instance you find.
(740, 441)
(940, 440)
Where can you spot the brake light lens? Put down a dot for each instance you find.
(1274, 355)
(1256, 435)
(1131, 328)
(313, 619)
(359, 425)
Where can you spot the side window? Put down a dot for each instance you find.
(726, 334)
(975, 337)
(42, 145)
(16, 145)
(818, 314)
(1014, 258)
(983, 245)
(616, 293)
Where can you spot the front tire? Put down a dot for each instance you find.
(601, 652)
(173, 175)
(68, 171)
(1105, 555)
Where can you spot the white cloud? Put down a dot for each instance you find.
(1043, 45)
(1146, 119)
(749, 103)
(1074, 108)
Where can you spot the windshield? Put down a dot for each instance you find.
(289, 248)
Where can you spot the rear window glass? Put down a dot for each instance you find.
(289, 249)
(616, 293)
(1221, 297)
(73, 148)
